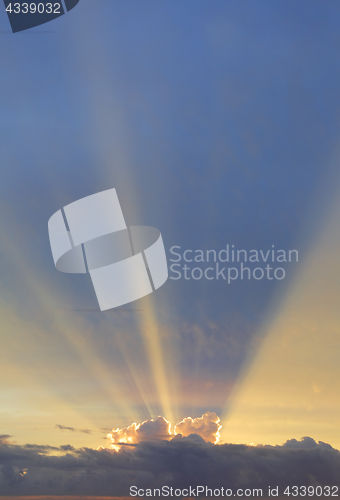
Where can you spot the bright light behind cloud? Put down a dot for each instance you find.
(150, 430)
(207, 427)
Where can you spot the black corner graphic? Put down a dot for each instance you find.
(26, 14)
(70, 4)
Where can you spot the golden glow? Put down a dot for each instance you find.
(151, 334)
(292, 387)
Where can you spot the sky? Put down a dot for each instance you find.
(217, 122)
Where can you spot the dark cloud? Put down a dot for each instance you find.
(180, 462)
(306, 443)
(73, 429)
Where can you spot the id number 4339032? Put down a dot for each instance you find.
(32, 8)
(312, 491)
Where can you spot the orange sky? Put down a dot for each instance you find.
(291, 387)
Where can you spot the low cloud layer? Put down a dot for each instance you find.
(207, 427)
(179, 462)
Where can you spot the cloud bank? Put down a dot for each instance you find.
(178, 462)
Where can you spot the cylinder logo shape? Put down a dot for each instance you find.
(125, 263)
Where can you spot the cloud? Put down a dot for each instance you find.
(150, 430)
(306, 443)
(73, 429)
(207, 426)
(178, 463)
(4, 438)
